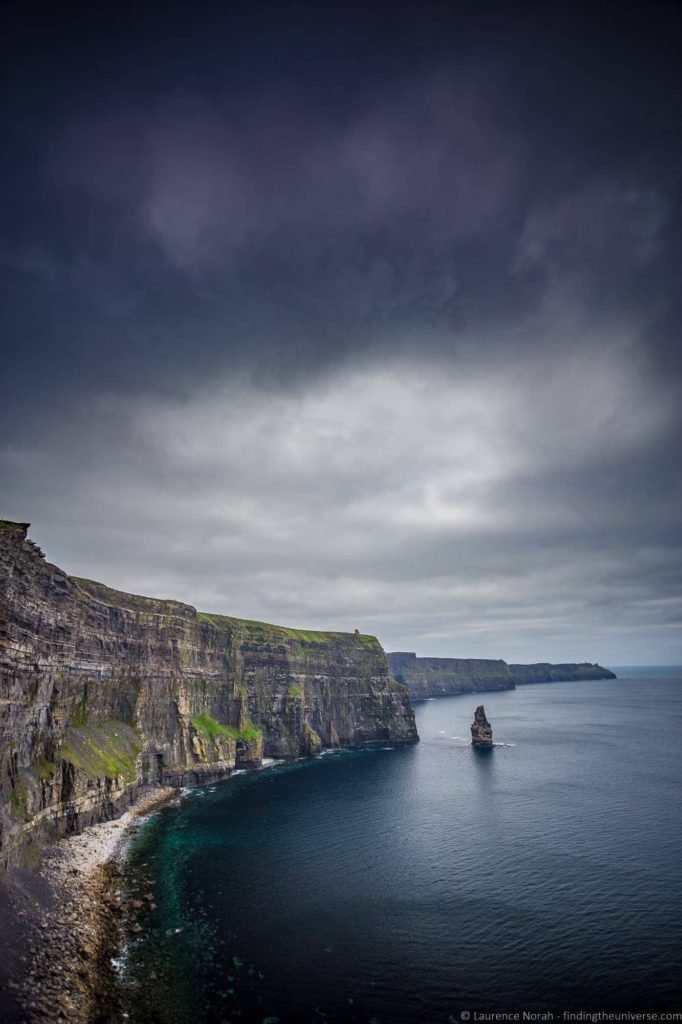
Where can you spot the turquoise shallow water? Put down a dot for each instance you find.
(410, 884)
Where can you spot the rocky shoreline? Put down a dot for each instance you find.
(61, 923)
(69, 916)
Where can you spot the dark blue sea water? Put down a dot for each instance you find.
(411, 884)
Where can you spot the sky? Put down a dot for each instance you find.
(352, 317)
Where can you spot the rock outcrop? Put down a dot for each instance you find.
(481, 729)
(440, 677)
(103, 693)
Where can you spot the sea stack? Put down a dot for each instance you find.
(481, 730)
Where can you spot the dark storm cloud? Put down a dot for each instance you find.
(322, 315)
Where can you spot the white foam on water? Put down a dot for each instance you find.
(119, 963)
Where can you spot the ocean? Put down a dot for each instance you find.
(420, 884)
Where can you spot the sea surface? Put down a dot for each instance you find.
(400, 885)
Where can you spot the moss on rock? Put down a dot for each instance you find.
(107, 749)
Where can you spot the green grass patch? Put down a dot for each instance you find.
(107, 749)
(45, 768)
(19, 802)
(80, 715)
(11, 527)
(250, 732)
(211, 728)
(266, 632)
(295, 690)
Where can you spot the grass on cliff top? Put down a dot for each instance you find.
(211, 728)
(255, 631)
(107, 749)
(267, 632)
(8, 524)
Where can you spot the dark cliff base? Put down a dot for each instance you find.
(62, 971)
(440, 677)
(25, 897)
(103, 693)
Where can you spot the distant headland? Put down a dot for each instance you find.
(439, 677)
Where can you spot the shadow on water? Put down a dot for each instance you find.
(483, 761)
(484, 772)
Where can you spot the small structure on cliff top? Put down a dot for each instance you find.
(481, 730)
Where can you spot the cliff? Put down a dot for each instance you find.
(438, 677)
(543, 672)
(102, 693)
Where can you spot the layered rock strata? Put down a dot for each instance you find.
(102, 693)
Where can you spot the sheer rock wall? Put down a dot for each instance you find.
(103, 693)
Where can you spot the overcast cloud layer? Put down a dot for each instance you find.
(351, 319)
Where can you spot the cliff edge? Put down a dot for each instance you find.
(103, 693)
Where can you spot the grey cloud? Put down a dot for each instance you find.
(438, 504)
(346, 332)
(430, 159)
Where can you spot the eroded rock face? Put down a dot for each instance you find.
(481, 730)
(102, 693)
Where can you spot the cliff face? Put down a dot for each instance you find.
(438, 677)
(103, 692)
(543, 672)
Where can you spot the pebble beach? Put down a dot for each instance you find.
(71, 933)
